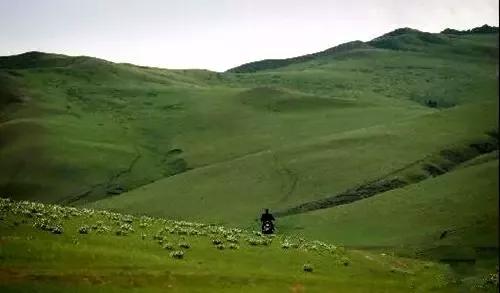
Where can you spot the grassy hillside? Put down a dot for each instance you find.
(310, 170)
(463, 202)
(98, 129)
(448, 44)
(358, 144)
(53, 248)
(127, 126)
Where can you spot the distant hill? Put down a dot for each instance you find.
(485, 29)
(277, 63)
(36, 59)
(399, 39)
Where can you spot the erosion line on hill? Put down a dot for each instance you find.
(125, 171)
(386, 183)
(75, 198)
(104, 185)
(361, 192)
(405, 167)
(206, 166)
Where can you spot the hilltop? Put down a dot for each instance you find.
(485, 29)
(399, 39)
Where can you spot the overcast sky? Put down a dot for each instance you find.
(218, 34)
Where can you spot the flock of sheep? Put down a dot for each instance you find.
(51, 218)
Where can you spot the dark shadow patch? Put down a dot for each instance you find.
(456, 156)
(174, 152)
(484, 147)
(173, 162)
(433, 170)
(115, 189)
(177, 106)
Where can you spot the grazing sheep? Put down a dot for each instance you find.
(232, 239)
(308, 268)
(184, 245)
(168, 246)
(285, 245)
(179, 254)
(216, 241)
(84, 230)
(57, 229)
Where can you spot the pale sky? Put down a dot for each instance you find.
(218, 34)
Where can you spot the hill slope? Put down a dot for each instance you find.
(287, 176)
(98, 129)
(387, 145)
(87, 251)
(219, 147)
(462, 202)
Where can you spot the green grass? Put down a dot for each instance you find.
(463, 200)
(90, 119)
(36, 259)
(305, 171)
(219, 147)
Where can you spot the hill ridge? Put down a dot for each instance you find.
(374, 43)
(24, 59)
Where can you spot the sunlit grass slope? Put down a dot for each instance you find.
(463, 202)
(404, 126)
(235, 191)
(55, 249)
(78, 129)
(74, 137)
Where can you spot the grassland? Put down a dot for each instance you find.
(388, 144)
(468, 211)
(53, 248)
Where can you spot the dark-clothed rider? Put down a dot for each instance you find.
(267, 222)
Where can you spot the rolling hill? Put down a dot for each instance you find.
(358, 144)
